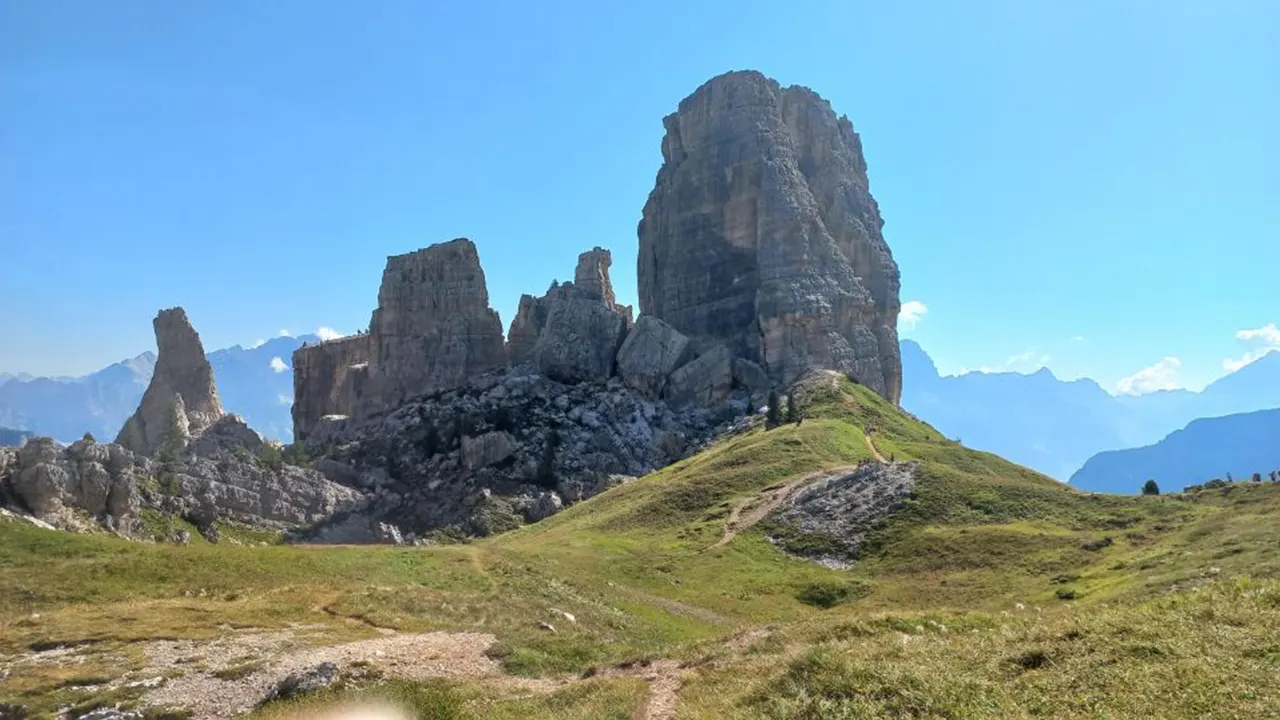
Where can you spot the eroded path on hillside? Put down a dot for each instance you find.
(872, 446)
(751, 511)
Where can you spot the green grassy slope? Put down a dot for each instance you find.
(640, 570)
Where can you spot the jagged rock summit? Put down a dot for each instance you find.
(181, 397)
(761, 234)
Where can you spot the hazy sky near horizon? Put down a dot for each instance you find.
(1088, 185)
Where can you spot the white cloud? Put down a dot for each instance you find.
(284, 399)
(328, 333)
(257, 344)
(913, 311)
(1268, 334)
(284, 332)
(1077, 338)
(1264, 340)
(278, 365)
(1164, 375)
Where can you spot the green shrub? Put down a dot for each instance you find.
(828, 593)
(271, 457)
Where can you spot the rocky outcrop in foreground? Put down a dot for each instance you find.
(761, 234)
(179, 455)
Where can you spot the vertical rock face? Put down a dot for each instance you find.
(531, 316)
(433, 327)
(761, 234)
(328, 379)
(181, 400)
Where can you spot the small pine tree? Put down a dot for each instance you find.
(431, 443)
(296, 454)
(89, 438)
(774, 415)
(546, 467)
(1150, 487)
(271, 457)
(793, 412)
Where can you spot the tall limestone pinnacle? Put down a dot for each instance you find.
(433, 327)
(761, 234)
(181, 397)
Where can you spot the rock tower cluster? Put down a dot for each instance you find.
(761, 257)
(433, 330)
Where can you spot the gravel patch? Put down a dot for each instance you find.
(828, 520)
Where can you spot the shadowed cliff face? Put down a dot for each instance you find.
(761, 234)
(433, 327)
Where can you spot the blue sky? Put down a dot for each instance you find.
(1089, 185)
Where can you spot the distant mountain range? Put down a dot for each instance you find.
(1239, 445)
(13, 438)
(1055, 426)
(250, 382)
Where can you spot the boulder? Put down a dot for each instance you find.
(750, 375)
(228, 433)
(580, 339)
(487, 449)
(306, 681)
(583, 327)
(652, 351)
(705, 380)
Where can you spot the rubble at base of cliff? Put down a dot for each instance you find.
(504, 450)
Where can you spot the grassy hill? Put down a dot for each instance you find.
(992, 592)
